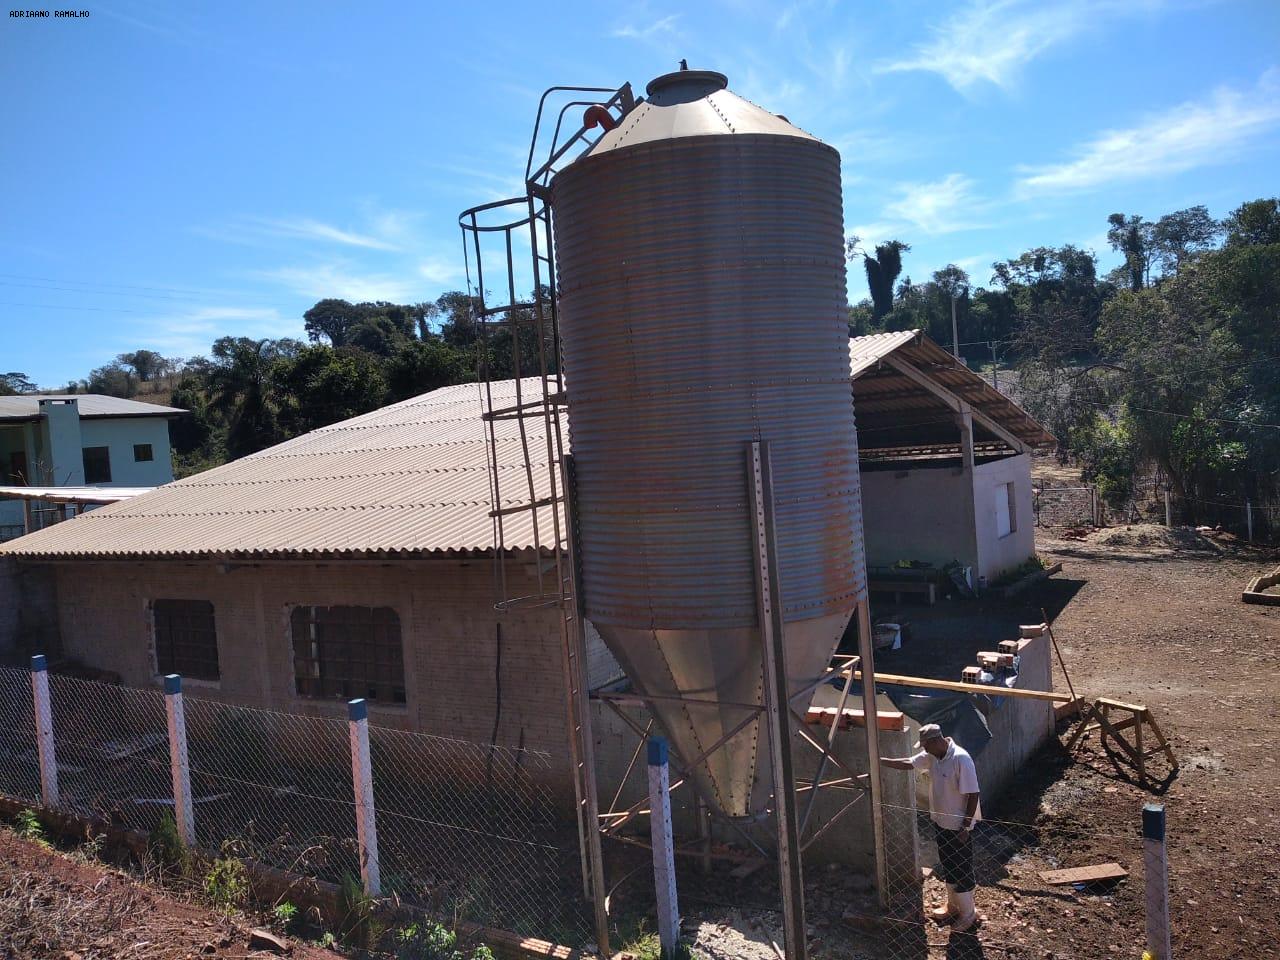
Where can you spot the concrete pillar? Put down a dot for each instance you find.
(65, 454)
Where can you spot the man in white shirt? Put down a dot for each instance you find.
(954, 807)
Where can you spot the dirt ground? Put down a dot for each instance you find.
(1158, 620)
(58, 907)
(1149, 615)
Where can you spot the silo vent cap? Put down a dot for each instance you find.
(684, 86)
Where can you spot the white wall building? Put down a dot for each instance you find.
(79, 441)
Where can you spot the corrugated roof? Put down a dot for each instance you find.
(26, 406)
(864, 351)
(411, 479)
(408, 479)
(886, 391)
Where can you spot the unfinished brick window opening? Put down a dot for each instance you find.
(97, 465)
(186, 638)
(346, 652)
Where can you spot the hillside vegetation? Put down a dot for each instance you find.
(1169, 364)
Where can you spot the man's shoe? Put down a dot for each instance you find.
(944, 915)
(967, 914)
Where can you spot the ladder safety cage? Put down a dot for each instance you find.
(527, 326)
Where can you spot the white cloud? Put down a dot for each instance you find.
(658, 31)
(939, 206)
(1214, 129)
(305, 229)
(441, 270)
(190, 332)
(989, 41)
(338, 280)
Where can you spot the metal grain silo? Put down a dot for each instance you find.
(700, 251)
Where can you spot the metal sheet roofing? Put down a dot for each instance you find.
(408, 479)
(411, 479)
(26, 406)
(885, 394)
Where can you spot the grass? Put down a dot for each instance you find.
(647, 946)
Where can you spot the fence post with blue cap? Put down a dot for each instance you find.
(179, 767)
(664, 860)
(44, 730)
(362, 783)
(1159, 944)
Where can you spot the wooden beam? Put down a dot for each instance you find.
(901, 680)
(954, 402)
(1096, 873)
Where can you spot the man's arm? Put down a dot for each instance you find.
(897, 763)
(970, 810)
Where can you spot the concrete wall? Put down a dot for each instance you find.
(119, 436)
(1019, 726)
(916, 514)
(997, 554)
(448, 631)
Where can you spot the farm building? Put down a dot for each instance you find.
(356, 560)
(389, 512)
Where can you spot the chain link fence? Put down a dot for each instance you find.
(468, 831)
(1024, 911)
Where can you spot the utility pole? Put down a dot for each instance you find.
(995, 366)
(955, 331)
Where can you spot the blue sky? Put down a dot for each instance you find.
(171, 174)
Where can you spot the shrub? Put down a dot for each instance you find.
(27, 825)
(226, 883)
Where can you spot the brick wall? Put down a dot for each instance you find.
(448, 631)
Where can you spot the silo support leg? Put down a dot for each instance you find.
(866, 654)
(777, 714)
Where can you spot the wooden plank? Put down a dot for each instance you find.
(1117, 705)
(1122, 725)
(1094, 873)
(927, 683)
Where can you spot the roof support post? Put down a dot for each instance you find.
(969, 505)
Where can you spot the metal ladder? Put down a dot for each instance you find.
(532, 325)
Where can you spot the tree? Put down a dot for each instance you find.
(332, 319)
(1182, 234)
(113, 380)
(146, 364)
(1132, 236)
(239, 379)
(1254, 223)
(882, 271)
(319, 385)
(422, 366)
(380, 335)
(13, 382)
